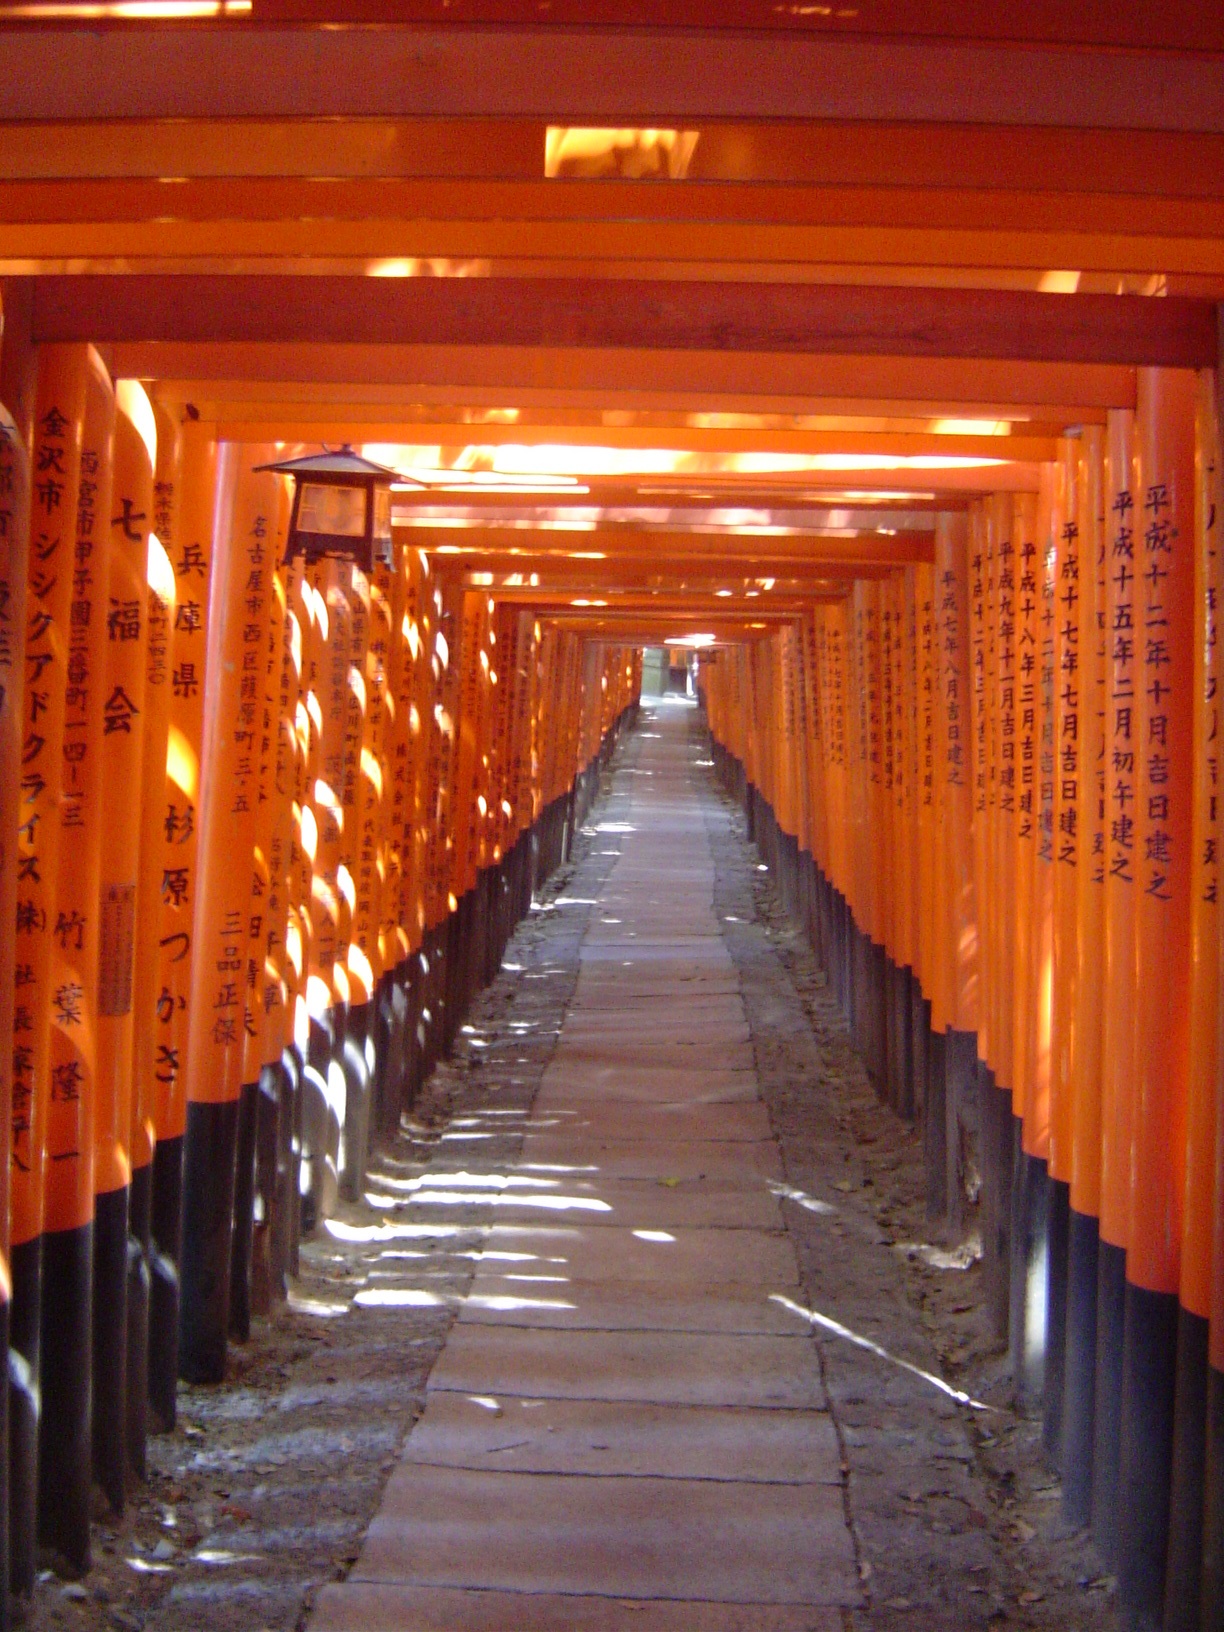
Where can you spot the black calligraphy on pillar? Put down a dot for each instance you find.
(1121, 711)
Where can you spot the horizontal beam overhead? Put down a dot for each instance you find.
(608, 376)
(1000, 160)
(593, 77)
(681, 231)
(630, 439)
(669, 605)
(1144, 24)
(584, 313)
(262, 402)
(641, 544)
(662, 574)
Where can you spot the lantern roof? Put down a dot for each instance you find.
(334, 462)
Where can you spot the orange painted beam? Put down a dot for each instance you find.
(309, 402)
(814, 153)
(728, 317)
(651, 545)
(592, 76)
(285, 205)
(453, 438)
(657, 378)
(1143, 24)
(670, 575)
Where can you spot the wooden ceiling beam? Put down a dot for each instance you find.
(642, 315)
(658, 572)
(813, 154)
(608, 376)
(678, 590)
(282, 205)
(263, 401)
(693, 439)
(1142, 24)
(641, 544)
(593, 76)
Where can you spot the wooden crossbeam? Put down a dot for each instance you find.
(589, 76)
(1142, 24)
(606, 377)
(643, 544)
(654, 316)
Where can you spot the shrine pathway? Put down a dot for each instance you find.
(627, 1426)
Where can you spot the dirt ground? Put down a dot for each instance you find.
(264, 1490)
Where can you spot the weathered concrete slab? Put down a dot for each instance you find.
(602, 1438)
(707, 956)
(602, 988)
(364, 1607)
(657, 1368)
(498, 1298)
(669, 1120)
(573, 1081)
(720, 1018)
(671, 1261)
(646, 1538)
(720, 1161)
(646, 1204)
(656, 1053)
(606, 1027)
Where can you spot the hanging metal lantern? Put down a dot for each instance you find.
(341, 507)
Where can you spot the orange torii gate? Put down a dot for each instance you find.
(1066, 925)
(330, 726)
(814, 390)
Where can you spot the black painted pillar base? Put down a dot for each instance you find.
(1145, 1452)
(903, 1010)
(23, 1363)
(892, 1043)
(266, 1274)
(6, 1619)
(140, 1200)
(110, 1336)
(1029, 1269)
(209, 1161)
(1183, 1589)
(410, 986)
(358, 1094)
(922, 1049)
(935, 1130)
(960, 1108)
(1057, 1248)
(1107, 1427)
(995, 1119)
(877, 974)
(1213, 1508)
(1079, 1386)
(242, 1239)
(385, 1046)
(166, 1232)
(319, 1128)
(64, 1450)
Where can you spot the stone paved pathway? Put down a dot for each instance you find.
(625, 1428)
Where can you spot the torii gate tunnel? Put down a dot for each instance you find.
(869, 358)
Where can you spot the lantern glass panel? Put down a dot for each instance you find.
(382, 515)
(340, 511)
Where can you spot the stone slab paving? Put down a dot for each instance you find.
(647, 1367)
(666, 1161)
(625, 1427)
(667, 1119)
(610, 1306)
(626, 1438)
